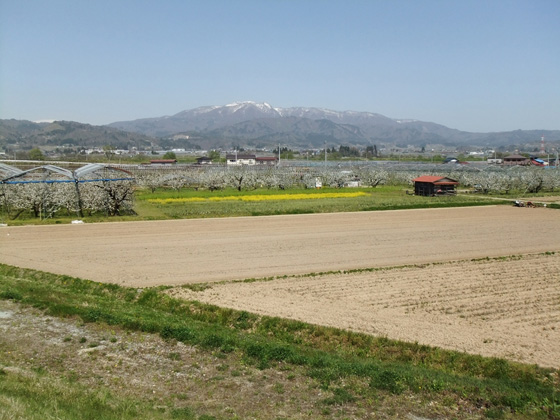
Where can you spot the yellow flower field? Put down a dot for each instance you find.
(259, 197)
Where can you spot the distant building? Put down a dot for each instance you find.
(516, 160)
(248, 159)
(240, 159)
(204, 160)
(266, 160)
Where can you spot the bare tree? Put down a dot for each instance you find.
(117, 197)
(371, 176)
(241, 178)
(213, 179)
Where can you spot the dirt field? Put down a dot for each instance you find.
(176, 252)
(507, 308)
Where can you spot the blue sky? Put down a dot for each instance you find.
(489, 65)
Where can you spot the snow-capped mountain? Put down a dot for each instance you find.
(208, 118)
(250, 122)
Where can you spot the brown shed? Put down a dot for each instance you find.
(266, 160)
(430, 185)
(516, 160)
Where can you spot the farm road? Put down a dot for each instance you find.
(142, 254)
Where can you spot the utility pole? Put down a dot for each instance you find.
(325, 154)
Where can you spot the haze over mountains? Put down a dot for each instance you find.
(260, 125)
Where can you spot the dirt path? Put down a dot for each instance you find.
(176, 252)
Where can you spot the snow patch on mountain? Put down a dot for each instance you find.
(202, 109)
(249, 107)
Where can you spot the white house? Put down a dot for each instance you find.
(240, 159)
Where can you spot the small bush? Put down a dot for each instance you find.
(148, 297)
(256, 351)
(92, 315)
(167, 332)
(494, 413)
(389, 380)
(184, 334)
(11, 295)
(280, 353)
(325, 375)
(340, 396)
(213, 341)
(243, 321)
(436, 385)
(62, 310)
(184, 413)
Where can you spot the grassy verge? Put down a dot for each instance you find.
(333, 358)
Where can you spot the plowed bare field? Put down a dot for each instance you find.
(502, 307)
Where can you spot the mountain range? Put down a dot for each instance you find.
(252, 124)
(259, 125)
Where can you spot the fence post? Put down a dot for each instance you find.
(80, 212)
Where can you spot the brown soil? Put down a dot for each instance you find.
(142, 254)
(505, 308)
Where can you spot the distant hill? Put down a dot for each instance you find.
(260, 123)
(27, 134)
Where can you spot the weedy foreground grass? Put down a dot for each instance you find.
(333, 358)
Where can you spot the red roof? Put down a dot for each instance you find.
(438, 180)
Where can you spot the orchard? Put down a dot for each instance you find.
(96, 189)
